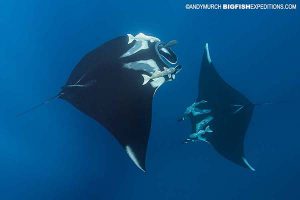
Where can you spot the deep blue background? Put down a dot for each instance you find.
(56, 152)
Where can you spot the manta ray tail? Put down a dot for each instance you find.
(40, 104)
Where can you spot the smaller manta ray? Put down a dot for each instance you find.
(220, 116)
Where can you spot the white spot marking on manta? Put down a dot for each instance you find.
(248, 165)
(142, 36)
(207, 53)
(130, 38)
(141, 43)
(131, 154)
(149, 66)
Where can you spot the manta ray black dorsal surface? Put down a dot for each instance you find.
(231, 110)
(107, 85)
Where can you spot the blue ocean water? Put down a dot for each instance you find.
(56, 152)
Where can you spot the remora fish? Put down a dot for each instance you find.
(170, 72)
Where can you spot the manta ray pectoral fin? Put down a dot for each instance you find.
(248, 165)
(133, 157)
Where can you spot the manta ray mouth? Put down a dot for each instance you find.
(166, 54)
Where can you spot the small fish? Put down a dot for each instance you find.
(158, 74)
(194, 111)
(200, 102)
(204, 122)
(198, 111)
(197, 137)
(199, 134)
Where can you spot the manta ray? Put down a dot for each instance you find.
(220, 115)
(114, 84)
(108, 85)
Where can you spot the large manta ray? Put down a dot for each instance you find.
(220, 115)
(109, 85)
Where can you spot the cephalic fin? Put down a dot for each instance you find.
(170, 43)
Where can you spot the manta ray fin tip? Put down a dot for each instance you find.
(247, 164)
(133, 157)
